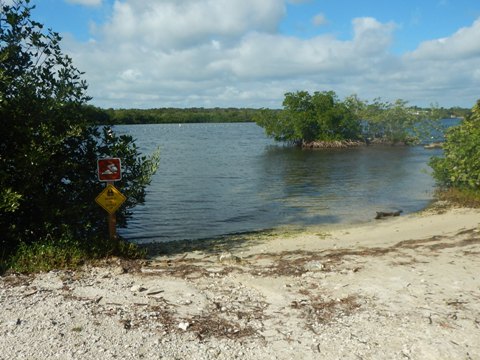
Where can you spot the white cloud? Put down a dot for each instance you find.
(85, 2)
(229, 53)
(463, 44)
(178, 24)
(130, 74)
(319, 20)
(444, 70)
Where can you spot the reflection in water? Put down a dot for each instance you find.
(346, 185)
(217, 179)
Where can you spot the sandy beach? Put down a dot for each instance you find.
(406, 287)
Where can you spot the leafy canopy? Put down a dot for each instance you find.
(460, 165)
(49, 144)
(397, 122)
(323, 117)
(306, 118)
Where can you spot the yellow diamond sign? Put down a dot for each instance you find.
(110, 199)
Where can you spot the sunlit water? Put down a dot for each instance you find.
(217, 179)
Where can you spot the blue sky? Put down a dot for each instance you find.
(248, 53)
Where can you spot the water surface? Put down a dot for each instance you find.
(217, 179)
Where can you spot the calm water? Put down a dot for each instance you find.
(217, 179)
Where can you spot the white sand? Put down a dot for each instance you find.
(401, 288)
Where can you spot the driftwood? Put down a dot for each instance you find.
(339, 144)
(383, 214)
(434, 145)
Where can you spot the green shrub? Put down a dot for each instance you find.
(66, 253)
(460, 165)
(305, 118)
(323, 117)
(50, 141)
(46, 256)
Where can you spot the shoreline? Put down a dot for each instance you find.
(423, 224)
(435, 207)
(403, 287)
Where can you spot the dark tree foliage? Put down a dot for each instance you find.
(305, 118)
(219, 115)
(460, 165)
(49, 143)
(323, 117)
(453, 112)
(179, 116)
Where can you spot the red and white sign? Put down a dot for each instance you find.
(109, 169)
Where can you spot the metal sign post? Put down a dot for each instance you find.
(109, 170)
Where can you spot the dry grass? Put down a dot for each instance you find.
(318, 310)
(212, 325)
(459, 198)
(13, 280)
(297, 263)
(163, 318)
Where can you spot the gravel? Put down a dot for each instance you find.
(410, 302)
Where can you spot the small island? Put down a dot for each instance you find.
(322, 120)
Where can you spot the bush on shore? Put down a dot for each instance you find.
(458, 169)
(49, 146)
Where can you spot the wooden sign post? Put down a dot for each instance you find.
(109, 170)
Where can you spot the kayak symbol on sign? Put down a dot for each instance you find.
(109, 169)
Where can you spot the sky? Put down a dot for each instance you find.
(249, 53)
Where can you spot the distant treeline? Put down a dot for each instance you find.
(453, 112)
(201, 115)
(172, 115)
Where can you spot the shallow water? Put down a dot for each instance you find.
(217, 179)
